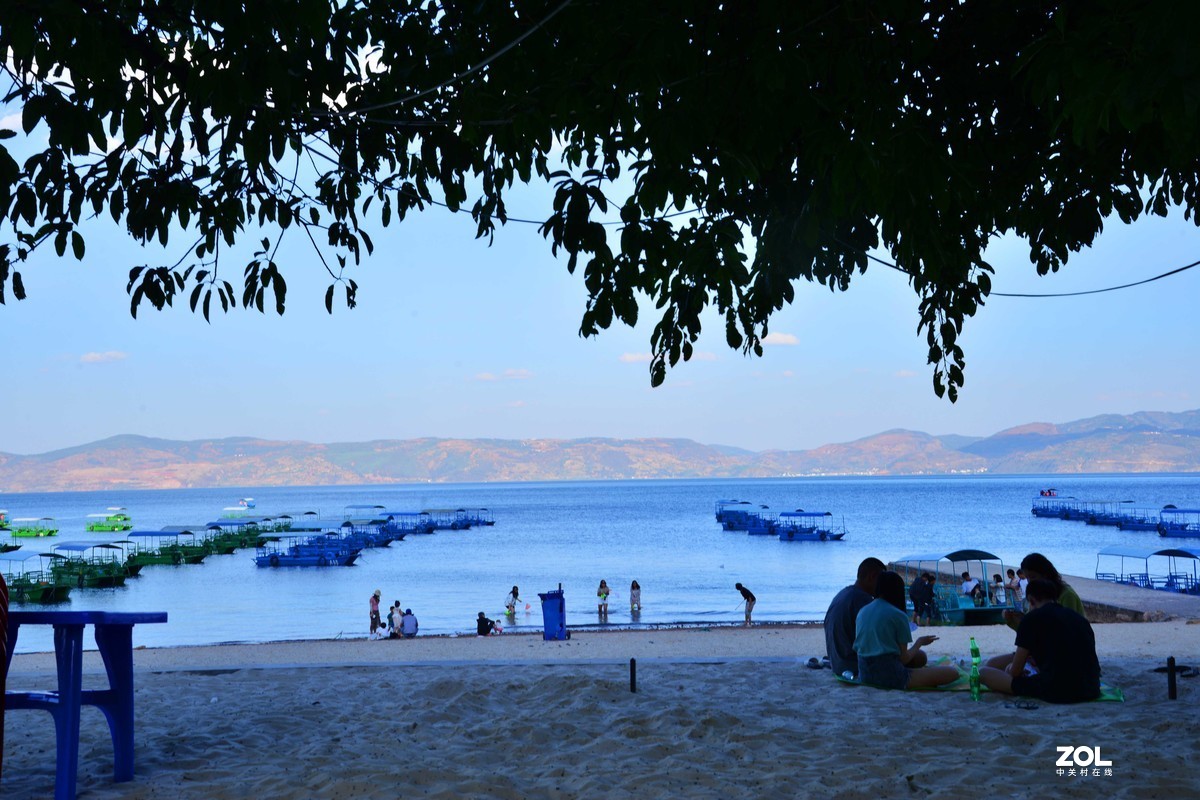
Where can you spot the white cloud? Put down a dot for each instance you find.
(905, 373)
(103, 358)
(703, 355)
(11, 123)
(636, 358)
(517, 404)
(486, 376)
(780, 339)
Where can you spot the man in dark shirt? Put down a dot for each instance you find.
(921, 595)
(1060, 643)
(749, 597)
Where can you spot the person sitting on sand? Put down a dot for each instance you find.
(602, 598)
(748, 598)
(881, 640)
(1062, 644)
(484, 626)
(635, 598)
(408, 624)
(510, 603)
(842, 614)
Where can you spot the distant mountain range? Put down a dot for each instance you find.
(1142, 442)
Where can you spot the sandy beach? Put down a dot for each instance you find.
(718, 712)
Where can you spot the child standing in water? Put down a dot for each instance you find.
(635, 598)
(602, 599)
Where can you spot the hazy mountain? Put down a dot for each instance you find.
(1142, 442)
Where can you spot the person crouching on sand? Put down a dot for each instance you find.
(881, 640)
(485, 626)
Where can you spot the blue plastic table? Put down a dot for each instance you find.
(114, 639)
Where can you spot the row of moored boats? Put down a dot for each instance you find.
(789, 526)
(1169, 521)
(301, 539)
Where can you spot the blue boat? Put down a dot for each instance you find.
(1179, 523)
(319, 551)
(1177, 577)
(408, 521)
(808, 526)
(1139, 519)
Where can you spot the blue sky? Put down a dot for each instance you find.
(453, 338)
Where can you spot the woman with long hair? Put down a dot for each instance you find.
(882, 638)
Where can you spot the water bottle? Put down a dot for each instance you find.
(975, 690)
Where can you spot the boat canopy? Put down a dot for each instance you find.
(17, 555)
(192, 529)
(79, 547)
(794, 514)
(1127, 551)
(957, 555)
(1170, 510)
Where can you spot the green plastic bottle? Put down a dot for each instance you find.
(975, 690)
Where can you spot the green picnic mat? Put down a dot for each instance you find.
(1108, 693)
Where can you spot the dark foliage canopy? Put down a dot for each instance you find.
(799, 134)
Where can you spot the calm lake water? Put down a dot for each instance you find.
(661, 533)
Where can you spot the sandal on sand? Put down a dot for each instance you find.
(825, 662)
(812, 663)
(1024, 705)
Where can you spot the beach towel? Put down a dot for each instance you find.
(1111, 694)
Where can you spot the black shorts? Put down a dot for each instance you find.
(1039, 686)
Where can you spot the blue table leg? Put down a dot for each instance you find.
(68, 652)
(115, 643)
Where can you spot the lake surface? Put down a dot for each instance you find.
(660, 533)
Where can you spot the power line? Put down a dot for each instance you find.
(1054, 294)
(464, 73)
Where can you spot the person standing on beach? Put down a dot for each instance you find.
(1063, 645)
(635, 598)
(510, 603)
(1015, 594)
(840, 619)
(749, 598)
(602, 599)
(375, 623)
(394, 616)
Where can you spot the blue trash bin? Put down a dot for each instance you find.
(554, 615)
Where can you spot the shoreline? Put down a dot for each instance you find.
(668, 644)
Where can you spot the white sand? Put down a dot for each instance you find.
(726, 713)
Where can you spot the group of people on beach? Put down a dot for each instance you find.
(868, 635)
(603, 592)
(398, 625)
